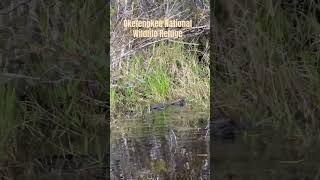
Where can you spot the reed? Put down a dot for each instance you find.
(266, 65)
(163, 72)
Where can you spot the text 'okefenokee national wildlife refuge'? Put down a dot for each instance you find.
(161, 23)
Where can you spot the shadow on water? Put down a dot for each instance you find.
(264, 154)
(167, 144)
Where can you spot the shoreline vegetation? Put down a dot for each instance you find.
(156, 69)
(266, 65)
(171, 72)
(53, 86)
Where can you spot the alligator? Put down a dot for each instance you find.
(176, 102)
(222, 127)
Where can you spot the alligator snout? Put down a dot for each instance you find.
(158, 106)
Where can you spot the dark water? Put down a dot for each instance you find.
(266, 154)
(171, 144)
(168, 144)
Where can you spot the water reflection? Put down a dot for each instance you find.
(169, 144)
(265, 154)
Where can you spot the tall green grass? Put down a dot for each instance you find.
(8, 121)
(267, 67)
(159, 74)
(59, 92)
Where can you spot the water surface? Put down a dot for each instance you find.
(167, 144)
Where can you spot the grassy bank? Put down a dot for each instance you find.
(159, 74)
(266, 60)
(145, 71)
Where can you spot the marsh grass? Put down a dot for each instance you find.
(159, 74)
(147, 71)
(54, 78)
(266, 63)
(8, 121)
